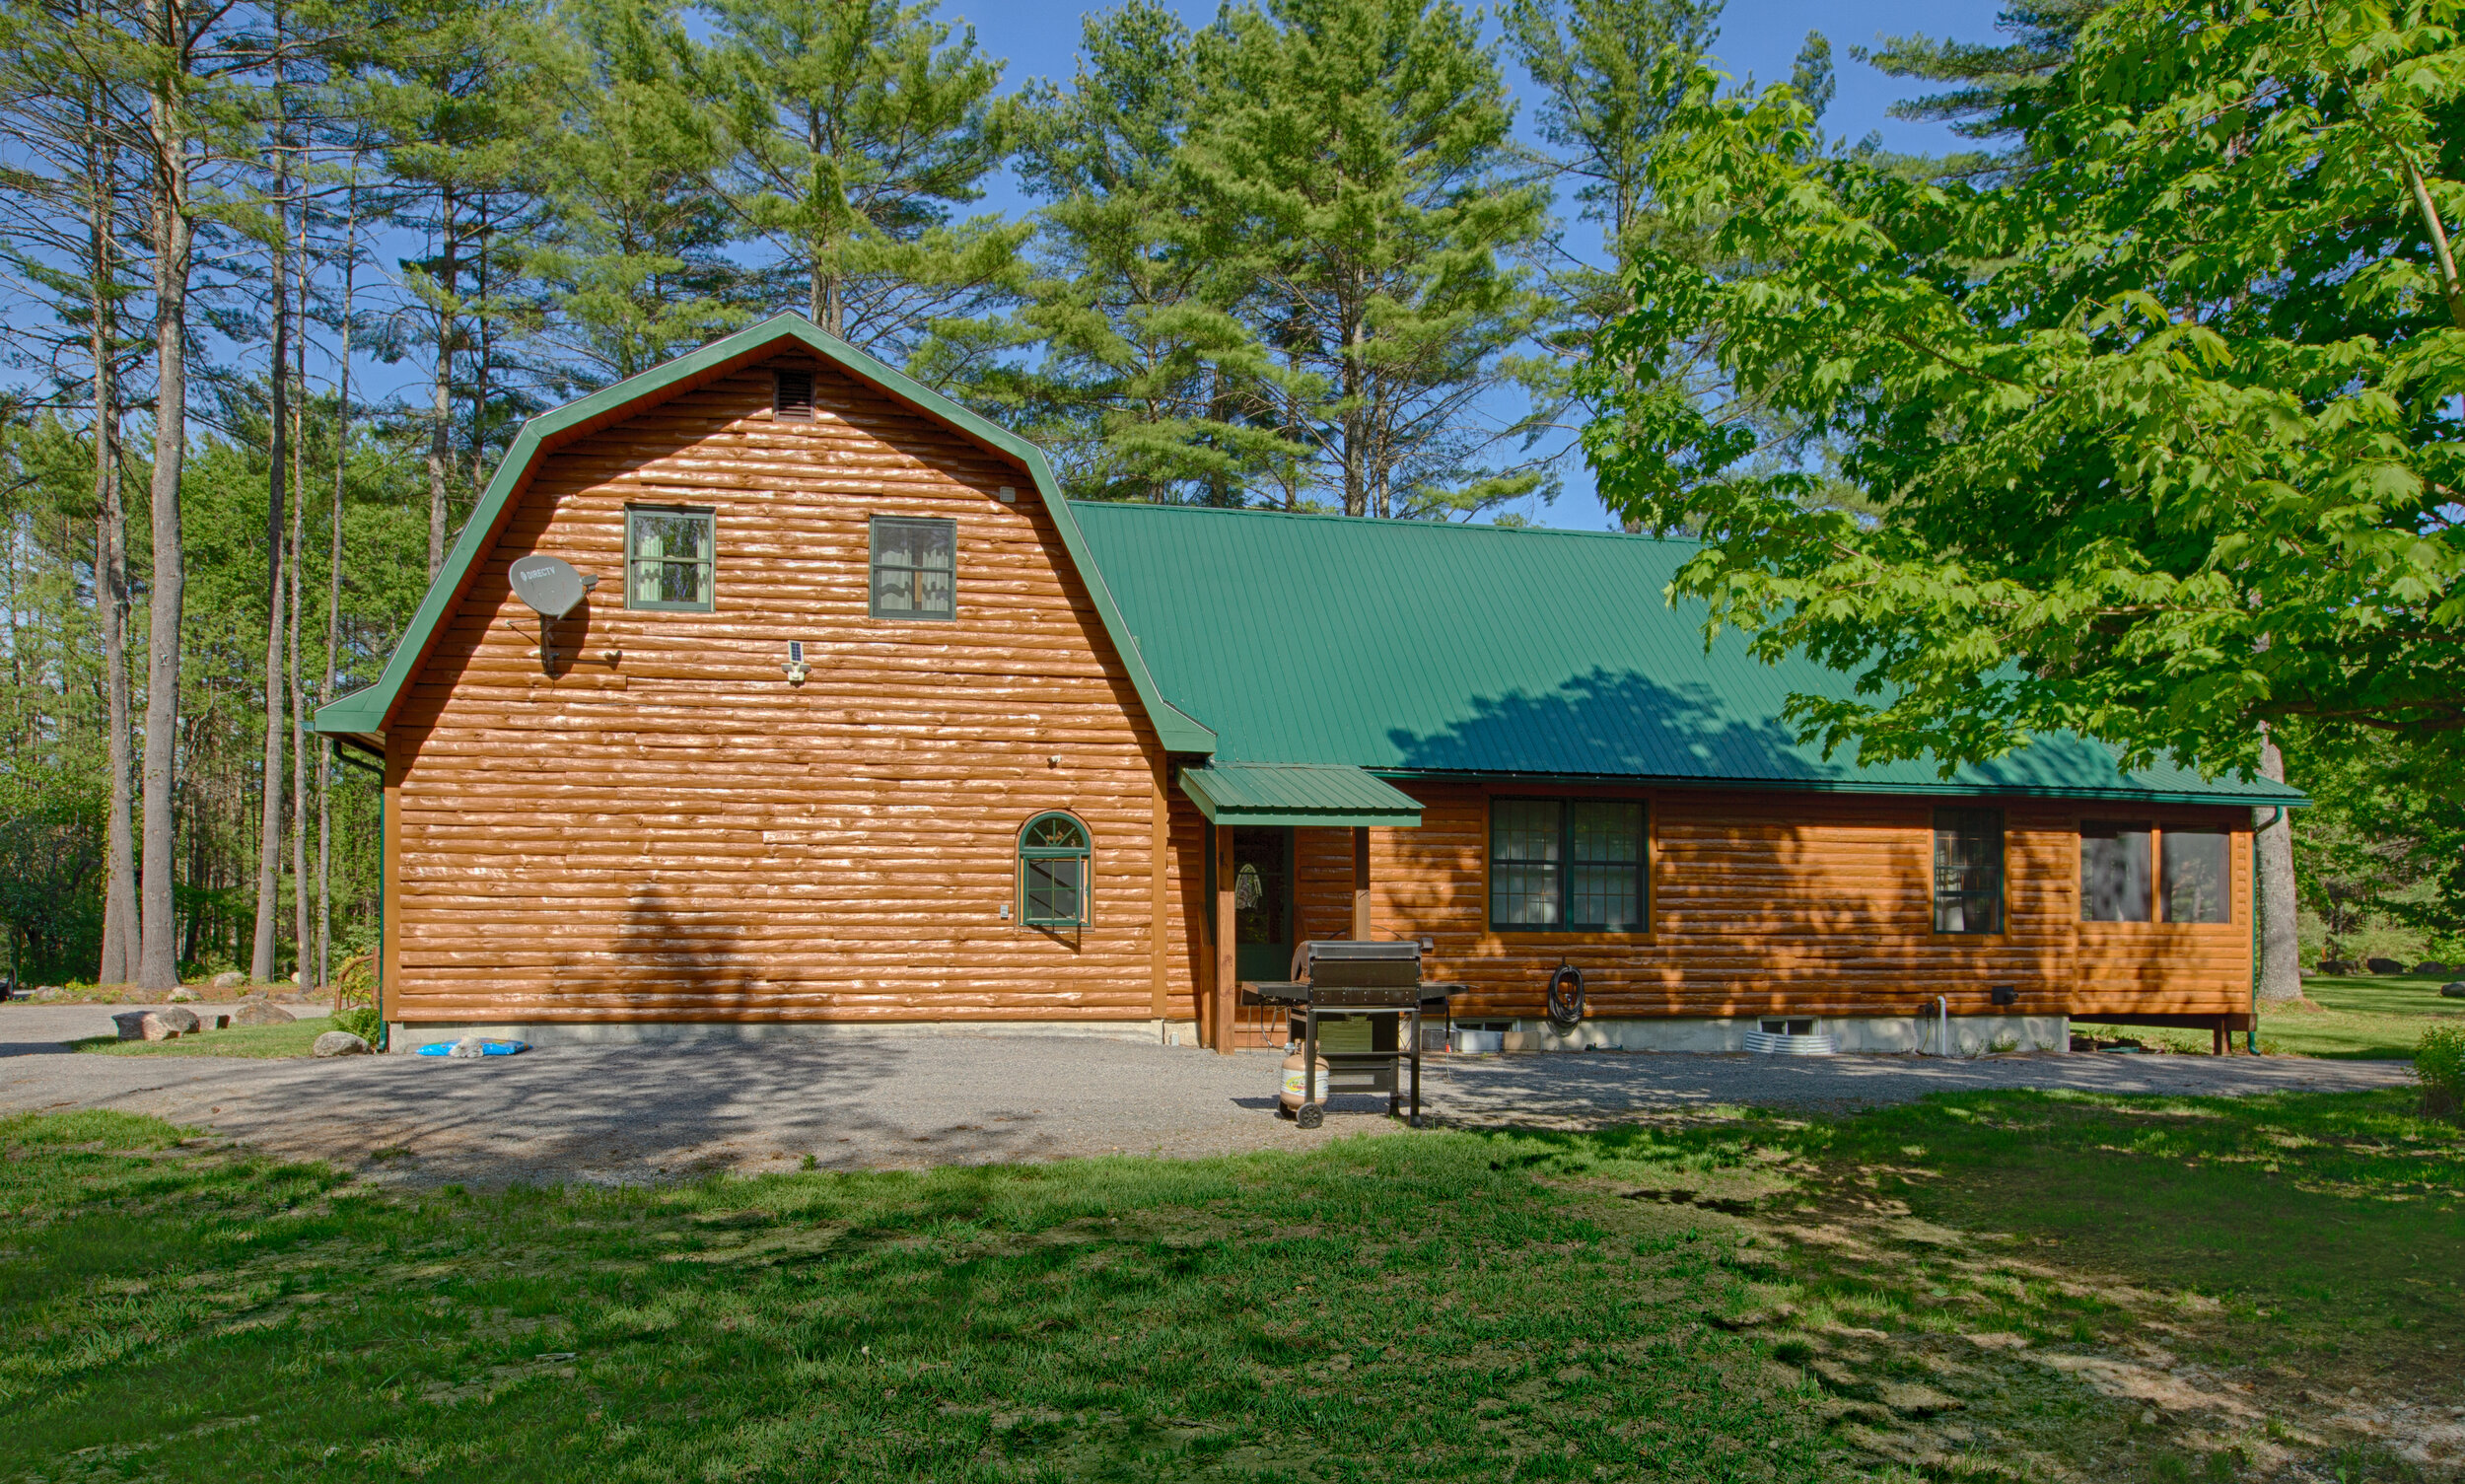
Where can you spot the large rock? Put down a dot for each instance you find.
(181, 996)
(167, 1025)
(2433, 970)
(231, 981)
(2335, 966)
(131, 1024)
(2383, 966)
(338, 1043)
(2454, 989)
(254, 1012)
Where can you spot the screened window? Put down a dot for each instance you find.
(1968, 871)
(915, 568)
(1570, 865)
(2113, 872)
(668, 559)
(2196, 872)
(1053, 852)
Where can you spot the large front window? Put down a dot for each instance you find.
(1968, 871)
(1567, 864)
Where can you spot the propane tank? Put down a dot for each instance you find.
(1296, 1093)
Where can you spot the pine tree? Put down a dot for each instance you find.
(636, 249)
(1354, 156)
(861, 125)
(1153, 387)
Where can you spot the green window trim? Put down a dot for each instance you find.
(1055, 853)
(1968, 872)
(659, 576)
(1569, 866)
(914, 568)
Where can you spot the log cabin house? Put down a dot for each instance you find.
(1042, 764)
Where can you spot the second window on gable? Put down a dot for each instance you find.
(1567, 864)
(915, 568)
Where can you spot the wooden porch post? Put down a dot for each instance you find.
(1227, 972)
(1360, 883)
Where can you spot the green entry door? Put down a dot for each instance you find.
(1263, 902)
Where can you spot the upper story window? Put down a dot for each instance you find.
(669, 558)
(1968, 871)
(915, 568)
(2193, 869)
(1567, 864)
(1053, 853)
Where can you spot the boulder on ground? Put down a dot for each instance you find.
(2433, 970)
(131, 1024)
(2335, 966)
(167, 1024)
(232, 980)
(338, 1043)
(261, 1013)
(181, 996)
(2383, 966)
(2454, 989)
(47, 992)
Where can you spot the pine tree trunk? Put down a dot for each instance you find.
(159, 961)
(333, 603)
(441, 433)
(277, 471)
(119, 867)
(302, 942)
(2280, 943)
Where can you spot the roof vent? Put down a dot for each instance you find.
(792, 396)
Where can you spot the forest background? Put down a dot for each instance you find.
(286, 278)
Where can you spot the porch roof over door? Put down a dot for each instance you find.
(1255, 793)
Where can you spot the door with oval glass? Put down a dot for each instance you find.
(1263, 902)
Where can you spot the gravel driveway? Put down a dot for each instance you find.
(618, 1114)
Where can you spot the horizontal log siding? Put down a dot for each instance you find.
(1810, 904)
(680, 835)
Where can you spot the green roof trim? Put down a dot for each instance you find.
(1298, 794)
(365, 712)
(1421, 649)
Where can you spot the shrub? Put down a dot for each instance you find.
(2439, 1066)
(360, 1020)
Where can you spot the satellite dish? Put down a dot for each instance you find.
(551, 586)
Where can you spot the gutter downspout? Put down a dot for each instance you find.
(2251, 1038)
(363, 765)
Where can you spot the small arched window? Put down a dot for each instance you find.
(1053, 853)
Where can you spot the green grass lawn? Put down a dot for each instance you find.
(2359, 1017)
(1746, 1296)
(292, 1039)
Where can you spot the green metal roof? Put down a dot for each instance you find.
(1250, 792)
(364, 713)
(1410, 648)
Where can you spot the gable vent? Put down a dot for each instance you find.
(792, 396)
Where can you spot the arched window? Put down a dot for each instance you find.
(1053, 853)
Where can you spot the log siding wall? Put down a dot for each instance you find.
(677, 834)
(1810, 904)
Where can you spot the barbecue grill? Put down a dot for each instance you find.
(1343, 979)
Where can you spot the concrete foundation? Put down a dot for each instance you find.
(410, 1037)
(1971, 1034)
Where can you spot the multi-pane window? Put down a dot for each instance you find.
(1570, 865)
(915, 568)
(2195, 874)
(669, 558)
(2191, 874)
(2113, 872)
(1968, 871)
(1053, 852)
